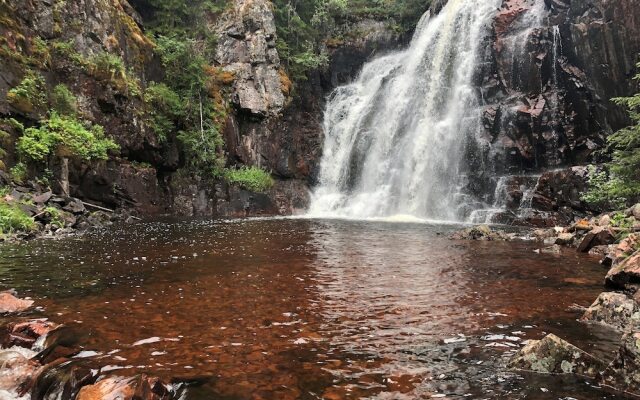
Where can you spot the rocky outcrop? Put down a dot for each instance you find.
(554, 355)
(616, 310)
(246, 49)
(625, 275)
(624, 371)
(547, 82)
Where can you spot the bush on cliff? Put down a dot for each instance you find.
(64, 136)
(30, 94)
(12, 219)
(254, 179)
(620, 182)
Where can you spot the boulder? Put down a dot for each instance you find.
(616, 310)
(622, 250)
(554, 355)
(481, 232)
(17, 370)
(625, 274)
(11, 304)
(634, 211)
(128, 388)
(624, 372)
(565, 239)
(600, 250)
(598, 236)
(26, 333)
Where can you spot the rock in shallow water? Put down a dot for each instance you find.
(140, 388)
(554, 355)
(16, 369)
(26, 333)
(624, 372)
(11, 304)
(481, 232)
(613, 309)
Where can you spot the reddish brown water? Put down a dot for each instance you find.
(286, 309)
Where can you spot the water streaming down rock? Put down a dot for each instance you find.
(395, 139)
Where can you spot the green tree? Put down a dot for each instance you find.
(620, 182)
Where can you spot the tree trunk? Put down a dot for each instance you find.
(64, 175)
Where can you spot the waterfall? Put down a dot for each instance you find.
(395, 138)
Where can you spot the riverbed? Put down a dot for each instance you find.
(309, 309)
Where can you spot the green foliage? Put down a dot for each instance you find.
(187, 105)
(13, 219)
(620, 220)
(108, 65)
(251, 178)
(63, 101)
(303, 26)
(187, 20)
(166, 109)
(55, 217)
(620, 184)
(64, 136)
(67, 51)
(19, 173)
(30, 94)
(201, 149)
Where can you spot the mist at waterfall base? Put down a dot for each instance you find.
(397, 138)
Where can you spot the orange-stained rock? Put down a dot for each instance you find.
(626, 274)
(10, 303)
(127, 388)
(25, 333)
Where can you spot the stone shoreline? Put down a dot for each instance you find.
(615, 237)
(38, 360)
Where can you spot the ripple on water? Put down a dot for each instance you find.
(311, 308)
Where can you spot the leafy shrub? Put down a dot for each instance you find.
(620, 220)
(251, 178)
(65, 136)
(165, 109)
(13, 219)
(201, 150)
(108, 66)
(55, 217)
(30, 94)
(19, 173)
(63, 101)
(67, 51)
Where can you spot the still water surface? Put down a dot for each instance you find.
(310, 309)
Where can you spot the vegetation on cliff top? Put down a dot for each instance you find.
(619, 183)
(305, 26)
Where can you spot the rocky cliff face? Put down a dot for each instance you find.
(549, 72)
(549, 75)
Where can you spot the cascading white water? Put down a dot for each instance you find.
(395, 138)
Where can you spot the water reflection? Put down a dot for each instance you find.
(285, 309)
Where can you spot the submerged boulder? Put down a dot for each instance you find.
(616, 310)
(554, 355)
